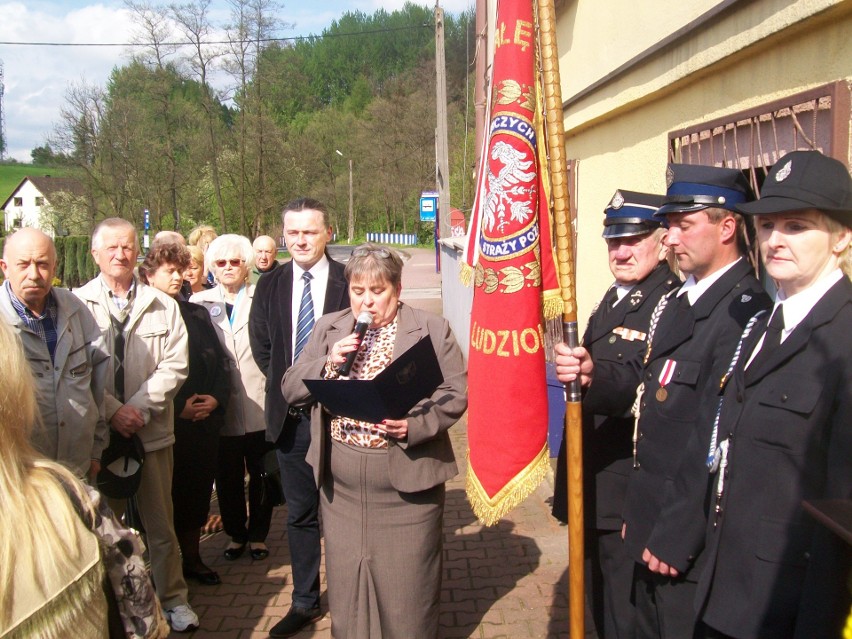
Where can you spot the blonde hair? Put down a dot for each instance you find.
(203, 234)
(836, 229)
(196, 255)
(39, 530)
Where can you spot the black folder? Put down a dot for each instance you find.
(389, 395)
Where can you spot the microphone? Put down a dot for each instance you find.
(365, 318)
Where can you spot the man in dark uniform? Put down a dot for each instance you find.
(615, 339)
(286, 303)
(693, 336)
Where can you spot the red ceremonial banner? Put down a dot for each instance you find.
(510, 256)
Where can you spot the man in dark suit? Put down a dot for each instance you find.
(615, 339)
(693, 337)
(286, 303)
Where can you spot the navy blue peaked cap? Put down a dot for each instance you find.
(630, 213)
(806, 180)
(694, 187)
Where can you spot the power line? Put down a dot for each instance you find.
(212, 42)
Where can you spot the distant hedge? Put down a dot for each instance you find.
(74, 263)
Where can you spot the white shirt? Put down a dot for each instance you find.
(796, 308)
(319, 284)
(622, 290)
(695, 289)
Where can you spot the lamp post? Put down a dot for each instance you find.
(351, 210)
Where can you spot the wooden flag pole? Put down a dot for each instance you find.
(565, 259)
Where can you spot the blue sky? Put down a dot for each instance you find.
(37, 78)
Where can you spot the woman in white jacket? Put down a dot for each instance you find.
(243, 439)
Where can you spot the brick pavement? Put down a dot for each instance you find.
(508, 581)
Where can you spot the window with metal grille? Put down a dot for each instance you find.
(754, 140)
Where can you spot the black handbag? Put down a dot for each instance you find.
(273, 491)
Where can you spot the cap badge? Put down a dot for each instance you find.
(617, 200)
(669, 176)
(785, 171)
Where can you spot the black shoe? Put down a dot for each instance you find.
(232, 554)
(258, 554)
(204, 576)
(294, 621)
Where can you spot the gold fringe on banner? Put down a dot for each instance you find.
(491, 510)
(551, 304)
(465, 273)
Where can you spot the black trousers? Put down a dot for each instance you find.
(609, 584)
(196, 457)
(664, 606)
(236, 455)
(300, 491)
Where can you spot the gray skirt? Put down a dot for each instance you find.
(383, 549)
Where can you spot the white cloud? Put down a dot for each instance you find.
(36, 78)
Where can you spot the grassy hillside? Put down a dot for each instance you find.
(12, 174)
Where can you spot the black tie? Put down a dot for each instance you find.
(772, 338)
(118, 352)
(609, 300)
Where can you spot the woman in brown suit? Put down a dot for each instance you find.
(381, 485)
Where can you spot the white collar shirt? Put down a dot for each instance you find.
(796, 307)
(696, 288)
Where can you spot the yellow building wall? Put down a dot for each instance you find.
(618, 132)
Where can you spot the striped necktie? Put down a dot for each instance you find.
(306, 316)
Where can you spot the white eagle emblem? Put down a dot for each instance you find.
(511, 190)
(785, 171)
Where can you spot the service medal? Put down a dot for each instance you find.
(661, 394)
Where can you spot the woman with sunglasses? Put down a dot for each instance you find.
(381, 485)
(243, 444)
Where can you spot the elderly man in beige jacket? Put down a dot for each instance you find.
(147, 339)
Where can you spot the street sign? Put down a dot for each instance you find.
(428, 206)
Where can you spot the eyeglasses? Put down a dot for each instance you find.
(233, 262)
(367, 250)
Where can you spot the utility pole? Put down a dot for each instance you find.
(351, 228)
(2, 117)
(351, 210)
(480, 92)
(442, 169)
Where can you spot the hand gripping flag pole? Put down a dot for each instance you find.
(567, 282)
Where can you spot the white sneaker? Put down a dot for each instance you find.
(182, 618)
